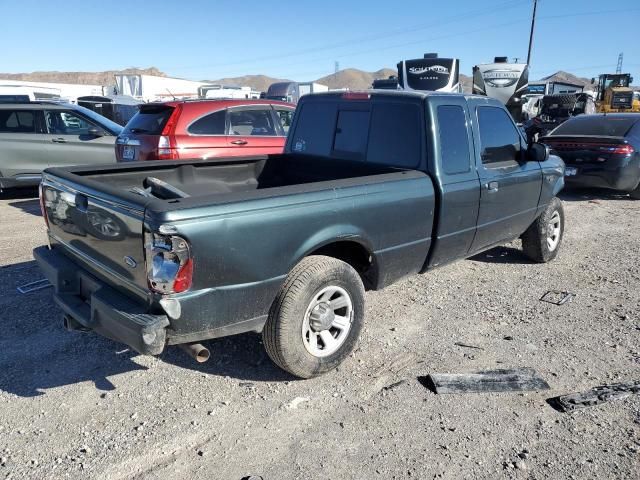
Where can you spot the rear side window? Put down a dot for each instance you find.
(596, 125)
(314, 130)
(212, 124)
(454, 143)
(251, 122)
(17, 121)
(499, 138)
(351, 131)
(149, 120)
(395, 136)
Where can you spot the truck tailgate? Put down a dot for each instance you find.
(103, 232)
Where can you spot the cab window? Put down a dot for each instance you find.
(499, 139)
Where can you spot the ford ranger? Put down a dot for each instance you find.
(371, 187)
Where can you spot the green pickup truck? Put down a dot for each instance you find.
(372, 186)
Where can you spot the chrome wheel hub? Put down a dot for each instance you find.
(327, 321)
(554, 229)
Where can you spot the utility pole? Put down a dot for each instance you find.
(619, 67)
(533, 23)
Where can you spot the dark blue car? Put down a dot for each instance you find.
(600, 150)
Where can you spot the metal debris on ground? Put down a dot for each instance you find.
(467, 345)
(33, 286)
(500, 380)
(557, 297)
(595, 396)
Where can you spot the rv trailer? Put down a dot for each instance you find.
(430, 73)
(503, 81)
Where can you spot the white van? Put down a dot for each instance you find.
(19, 93)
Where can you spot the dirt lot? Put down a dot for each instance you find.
(75, 405)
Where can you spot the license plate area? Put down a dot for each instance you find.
(128, 153)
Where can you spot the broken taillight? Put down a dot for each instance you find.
(169, 263)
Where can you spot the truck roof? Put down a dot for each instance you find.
(420, 94)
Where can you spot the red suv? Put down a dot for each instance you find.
(205, 128)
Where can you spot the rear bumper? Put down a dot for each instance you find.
(624, 178)
(94, 305)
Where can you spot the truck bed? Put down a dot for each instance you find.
(198, 178)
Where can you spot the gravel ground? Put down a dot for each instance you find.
(75, 405)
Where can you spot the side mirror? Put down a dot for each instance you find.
(630, 80)
(96, 132)
(538, 152)
(593, 80)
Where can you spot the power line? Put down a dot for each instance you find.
(487, 10)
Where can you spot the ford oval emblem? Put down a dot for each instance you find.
(131, 262)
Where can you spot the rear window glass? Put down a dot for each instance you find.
(314, 131)
(212, 124)
(596, 125)
(390, 134)
(17, 121)
(395, 135)
(149, 120)
(351, 131)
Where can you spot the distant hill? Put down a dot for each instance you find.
(562, 76)
(354, 79)
(257, 82)
(82, 78)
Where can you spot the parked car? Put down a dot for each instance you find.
(556, 109)
(371, 187)
(601, 150)
(37, 135)
(204, 129)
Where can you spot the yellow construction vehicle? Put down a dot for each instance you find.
(614, 95)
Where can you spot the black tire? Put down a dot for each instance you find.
(535, 240)
(283, 331)
(635, 194)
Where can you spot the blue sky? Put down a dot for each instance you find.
(199, 39)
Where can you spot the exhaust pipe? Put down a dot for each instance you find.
(197, 351)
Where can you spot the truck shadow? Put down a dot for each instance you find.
(504, 255)
(241, 357)
(37, 354)
(28, 206)
(591, 194)
(17, 193)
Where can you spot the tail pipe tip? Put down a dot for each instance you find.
(197, 351)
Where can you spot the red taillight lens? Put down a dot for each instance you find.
(182, 282)
(43, 208)
(166, 149)
(617, 149)
(169, 263)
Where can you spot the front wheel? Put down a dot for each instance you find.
(542, 239)
(316, 319)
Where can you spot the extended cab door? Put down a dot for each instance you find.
(254, 130)
(71, 143)
(452, 159)
(509, 184)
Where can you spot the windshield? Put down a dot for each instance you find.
(113, 127)
(616, 81)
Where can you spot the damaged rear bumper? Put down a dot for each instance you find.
(93, 305)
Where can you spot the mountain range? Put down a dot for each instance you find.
(350, 78)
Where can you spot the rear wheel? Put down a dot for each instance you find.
(542, 239)
(636, 193)
(316, 319)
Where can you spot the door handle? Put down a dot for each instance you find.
(492, 186)
(239, 142)
(58, 140)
